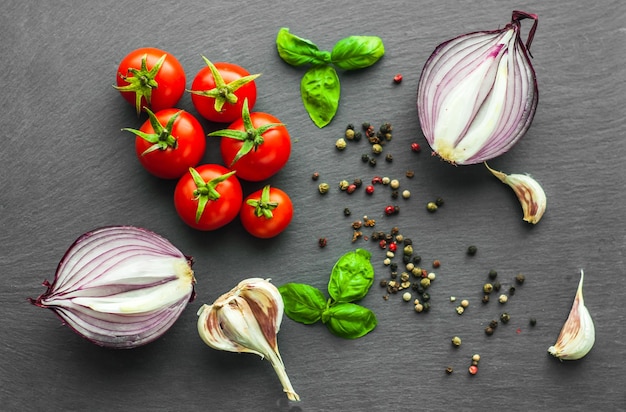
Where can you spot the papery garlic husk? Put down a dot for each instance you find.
(529, 192)
(578, 333)
(120, 286)
(247, 319)
(478, 94)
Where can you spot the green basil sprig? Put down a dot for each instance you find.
(320, 88)
(350, 280)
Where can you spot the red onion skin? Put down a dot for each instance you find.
(505, 142)
(146, 328)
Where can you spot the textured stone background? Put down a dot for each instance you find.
(67, 168)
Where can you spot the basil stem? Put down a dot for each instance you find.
(357, 52)
(298, 51)
(320, 91)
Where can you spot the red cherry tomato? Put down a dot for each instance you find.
(265, 157)
(178, 143)
(226, 89)
(267, 212)
(141, 84)
(208, 197)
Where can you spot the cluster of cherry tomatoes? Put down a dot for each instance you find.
(172, 142)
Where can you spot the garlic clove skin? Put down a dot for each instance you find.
(529, 192)
(247, 319)
(578, 334)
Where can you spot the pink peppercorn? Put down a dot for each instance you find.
(473, 370)
(369, 189)
(416, 147)
(393, 246)
(397, 78)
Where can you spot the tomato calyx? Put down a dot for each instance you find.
(162, 138)
(206, 191)
(223, 92)
(263, 206)
(142, 81)
(252, 137)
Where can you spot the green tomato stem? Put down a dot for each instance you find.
(142, 81)
(162, 138)
(206, 190)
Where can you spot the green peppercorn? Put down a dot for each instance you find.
(425, 282)
(505, 317)
(417, 259)
(343, 185)
(485, 299)
(357, 136)
(497, 286)
(389, 158)
(350, 134)
(408, 249)
(471, 250)
(431, 207)
(425, 296)
(323, 188)
(493, 274)
(487, 288)
(456, 341)
(340, 144)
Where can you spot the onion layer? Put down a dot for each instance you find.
(477, 93)
(120, 286)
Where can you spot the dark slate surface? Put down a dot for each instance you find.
(67, 168)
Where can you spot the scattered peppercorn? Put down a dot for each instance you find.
(489, 331)
(372, 162)
(397, 79)
(389, 158)
(487, 288)
(476, 358)
(389, 210)
(505, 317)
(493, 324)
(493, 274)
(471, 250)
(431, 207)
(456, 341)
(449, 370)
(357, 182)
(406, 297)
(520, 278)
(497, 286)
(439, 201)
(315, 176)
(465, 303)
(406, 194)
(351, 188)
(503, 298)
(436, 263)
(416, 147)
(512, 291)
(410, 174)
(346, 212)
(532, 321)
(323, 188)
(485, 299)
(322, 242)
(377, 148)
(365, 157)
(473, 370)
(340, 144)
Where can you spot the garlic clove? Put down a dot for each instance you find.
(529, 192)
(578, 334)
(247, 319)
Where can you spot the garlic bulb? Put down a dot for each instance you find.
(578, 333)
(528, 191)
(247, 319)
(478, 94)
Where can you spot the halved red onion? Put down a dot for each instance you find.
(120, 286)
(477, 93)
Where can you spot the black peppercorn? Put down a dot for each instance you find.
(439, 201)
(346, 212)
(533, 321)
(407, 241)
(471, 250)
(512, 291)
(357, 136)
(389, 158)
(497, 286)
(365, 157)
(357, 182)
(492, 274)
(372, 162)
(416, 259)
(489, 330)
(505, 317)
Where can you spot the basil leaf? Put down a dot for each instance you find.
(303, 303)
(349, 320)
(352, 276)
(298, 51)
(357, 52)
(320, 91)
